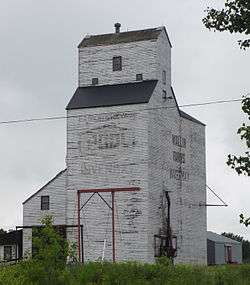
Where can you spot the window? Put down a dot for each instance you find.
(44, 202)
(164, 77)
(94, 81)
(7, 252)
(139, 77)
(164, 94)
(228, 254)
(117, 63)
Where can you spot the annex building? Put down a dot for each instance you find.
(126, 131)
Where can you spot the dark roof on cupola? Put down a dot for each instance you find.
(112, 95)
(122, 37)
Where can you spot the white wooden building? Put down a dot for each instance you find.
(125, 129)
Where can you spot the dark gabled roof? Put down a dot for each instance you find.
(58, 174)
(11, 238)
(190, 118)
(112, 95)
(123, 37)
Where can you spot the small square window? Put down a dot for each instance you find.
(7, 252)
(94, 81)
(164, 77)
(139, 77)
(164, 94)
(117, 63)
(44, 203)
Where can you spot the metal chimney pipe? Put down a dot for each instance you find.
(117, 28)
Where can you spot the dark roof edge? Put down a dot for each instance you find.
(55, 177)
(175, 101)
(160, 27)
(165, 30)
(184, 114)
(190, 118)
(118, 84)
(128, 104)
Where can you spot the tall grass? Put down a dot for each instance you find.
(127, 273)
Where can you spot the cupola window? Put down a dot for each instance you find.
(117, 63)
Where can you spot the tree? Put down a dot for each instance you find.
(2, 232)
(48, 262)
(245, 245)
(234, 17)
(241, 164)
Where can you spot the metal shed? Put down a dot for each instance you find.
(222, 250)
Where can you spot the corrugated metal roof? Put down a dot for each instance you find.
(112, 95)
(123, 37)
(220, 239)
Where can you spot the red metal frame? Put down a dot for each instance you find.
(105, 190)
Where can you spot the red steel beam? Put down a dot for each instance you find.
(109, 190)
(113, 224)
(78, 225)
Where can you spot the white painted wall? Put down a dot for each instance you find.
(32, 213)
(137, 57)
(107, 148)
(123, 146)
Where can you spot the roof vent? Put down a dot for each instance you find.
(117, 28)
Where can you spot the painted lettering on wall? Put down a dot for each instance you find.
(90, 168)
(179, 157)
(105, 137)
(107, 117)
(178, 141)
(131, 215)
(179, 174)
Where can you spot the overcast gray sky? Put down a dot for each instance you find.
(38, 75)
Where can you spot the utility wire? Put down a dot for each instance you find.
(153, 108)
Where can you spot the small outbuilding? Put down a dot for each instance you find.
(11, 245)
(222, 250)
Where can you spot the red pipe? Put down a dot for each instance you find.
(113, 224)
(78, 225)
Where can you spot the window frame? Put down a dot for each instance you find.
(95, 81)
(164, 77)
(45, 205)
(139, 77)
(164, 95)
(117, 63)
(6, 254)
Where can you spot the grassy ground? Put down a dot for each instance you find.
(30, 273)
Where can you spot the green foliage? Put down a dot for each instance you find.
(48, 264)
(241, 164)
(128, 273)
(234, 17)
(2, 232)
(245, 245)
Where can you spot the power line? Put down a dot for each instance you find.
(153, 108)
